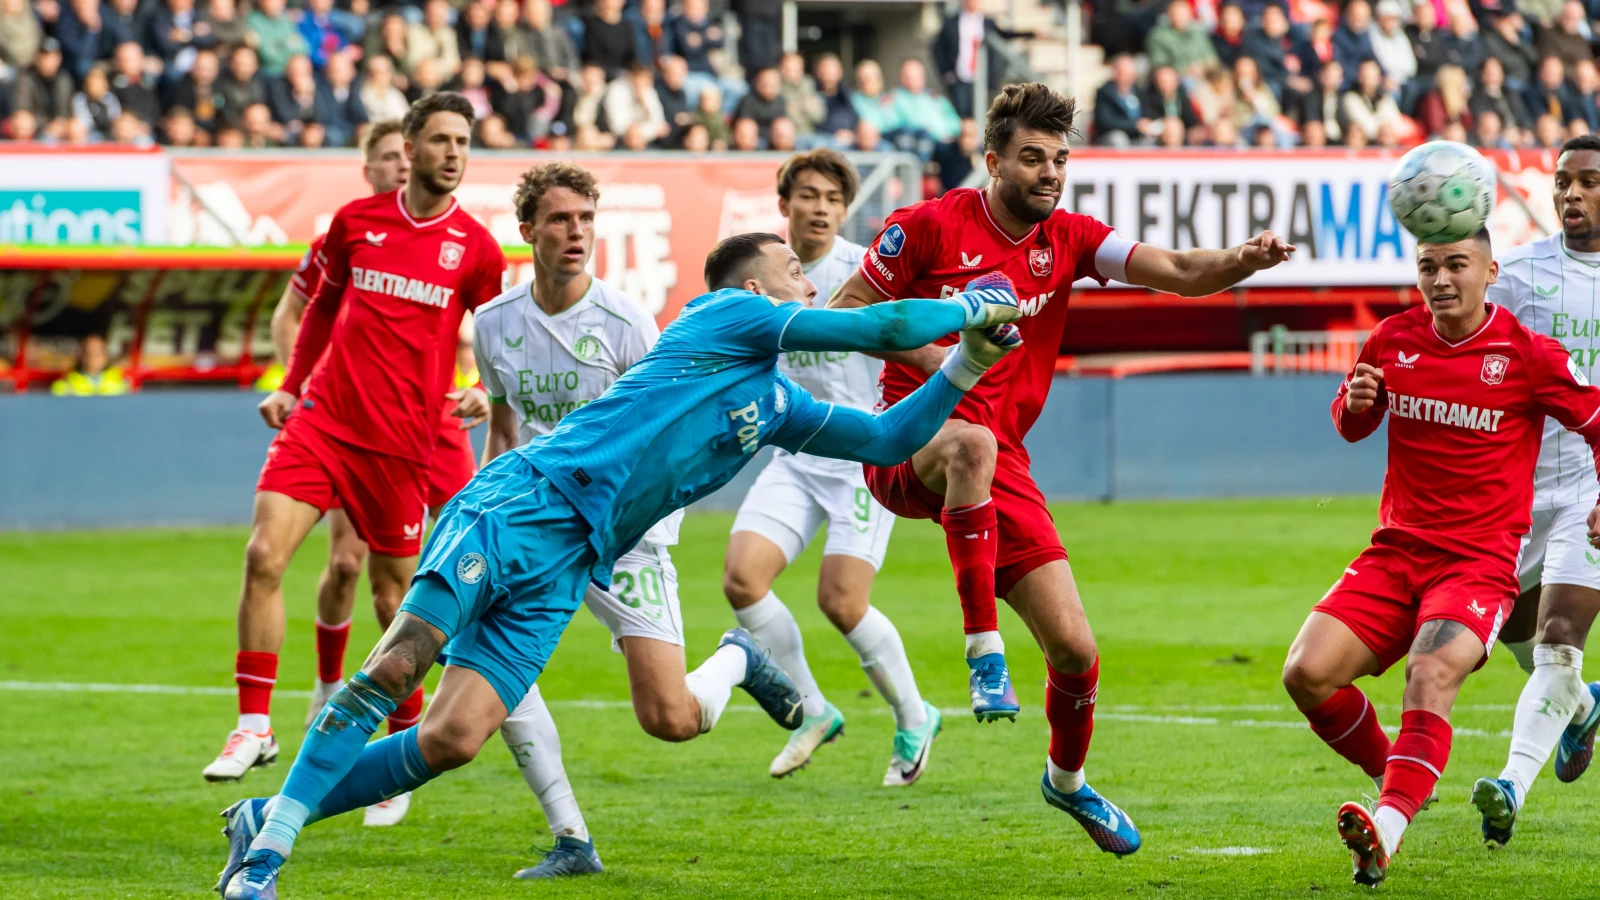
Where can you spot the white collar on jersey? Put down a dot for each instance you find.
(983, 198)
(399, 200)
(1588, 259)
(1434, 327)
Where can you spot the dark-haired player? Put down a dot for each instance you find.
(973, 478)
(399, 271)
(1550, 286)
(516, 550)
(1467, 388)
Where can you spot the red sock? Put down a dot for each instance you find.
(1416, 762)
(1069, 705)
(970, 534)
(1349, 724)
(331, 641)
(407, 714)
(255, 673)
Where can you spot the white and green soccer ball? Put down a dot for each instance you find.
(1442, 192)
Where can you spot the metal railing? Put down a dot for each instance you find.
(1279, 351)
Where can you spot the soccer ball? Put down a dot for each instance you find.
(1442, 192)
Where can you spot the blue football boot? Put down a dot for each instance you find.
(241, 823)
(257, 878)
(1496, 799)
(1109, 827)
(1577, 742)
(570, 856)
(765, 682)
(993, 697)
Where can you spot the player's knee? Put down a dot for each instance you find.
(843, 606)
(1073, 654)
(1559, 628)
(264, 559)
(972, 452)
(741, 587)
(1307, 685)
(1428, 674)
(344, 567)
(667, 722)
(395, 673)
(446, 746)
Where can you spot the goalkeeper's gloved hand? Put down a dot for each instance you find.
(989, 300)
(966, 362)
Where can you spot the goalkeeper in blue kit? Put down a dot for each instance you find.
(513, 553)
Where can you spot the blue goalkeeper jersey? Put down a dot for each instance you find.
(681, 422)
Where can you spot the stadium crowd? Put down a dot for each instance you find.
(542, 73)
(1494, 73)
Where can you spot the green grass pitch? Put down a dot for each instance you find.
(1193, 604)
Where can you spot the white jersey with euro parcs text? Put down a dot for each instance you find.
(545, 366)
(1556, 291)
(848, 379)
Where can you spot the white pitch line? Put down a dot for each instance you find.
(1129, 714)
(1231, 851)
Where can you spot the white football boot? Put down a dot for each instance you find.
(243, 751)
(387, 812)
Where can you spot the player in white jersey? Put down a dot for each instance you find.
(796, 494)
(544, 349)
(1551, 285)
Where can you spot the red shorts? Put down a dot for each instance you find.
(384, 496)
(1399, 583)
(453, 465)
(1028, 537)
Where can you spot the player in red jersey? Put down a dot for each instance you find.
(1467, 388)
(399, 271)
(973, 478)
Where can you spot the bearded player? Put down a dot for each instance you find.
(386, 167)
(400, 269)
(1550, 285)
(1467, 388)
(796, 494)
(973, 478)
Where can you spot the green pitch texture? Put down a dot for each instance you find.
(1194, 605)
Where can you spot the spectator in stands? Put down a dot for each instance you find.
(1256, 106)
(839, 114)
(92, 374)
(1391, 46)
(1548, 133)
(1313, 53)
(696, 139)
(782, 135)
(132, 84)
(476, 37)
(1214, 97)
(1446, 104)
(1492, 96)
(764, 102)
(491, 133)
(954, 171)
(1368, 108)
(1510, 41)
(650, 32)
(433, 39)
(276, 37)
(1566, 39)
(802, 104)
(607, 39)
(746, 135)
(1468, 51)
(122, 18)
(1116, 105)
(708, 114)
(869, 139)
(320, 27)
(198, 91)
(345, 113)
(85, 36)
(674, 99)
(1324, 108)
(552, 44)
(95, 107)
(426, 79)
(1586, 87)
(633, 109)
(259, 132)
(1552, 95)
(227, 26)
(588, 114)
(760, 33)
(293, 99)
(1181, 42)
(1540, 13)
(693, 35)
(1488, 134)
(1352, 40)
(520, 103)
(173, 31)
(21, 125)
(510, 40)
(955, 53)
(473, 84)
(379, 96)
(178, 129)
(1166, 105)
(1431, 47)
(926, 119)
(20, 36)
(1272, 48)
(1228, 39)
(128, 130)
(389, 40)
(243, 87)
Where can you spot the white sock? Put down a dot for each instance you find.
(1522, 652)
(774, 626)
(1554, 695)
(713, 683)
(530, 734)
(983, 643)
(1391, 827)
(260, 723)
(1062, 780)
(883, 657)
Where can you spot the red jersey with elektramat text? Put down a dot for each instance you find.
(403, 286)
(1465, 422)
(934, 248)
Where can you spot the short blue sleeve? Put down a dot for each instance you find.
(803, 416)
(738, 323)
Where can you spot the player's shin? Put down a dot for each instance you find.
(331, 643)
(883, 657)
(971, 535)
(408, 713)
(1416, 763)
(530, 733)
(255, 673)
(1069, 705)
(1348, 723)
(773, 625)
(1554, 696)
(331, 749)
(713, 682)
(386, 768)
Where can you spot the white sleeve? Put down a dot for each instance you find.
(1111, 258)
(481, 344)
(641, 336)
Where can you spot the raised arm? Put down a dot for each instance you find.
(1199, 272)
(857, 293)
(906, 325)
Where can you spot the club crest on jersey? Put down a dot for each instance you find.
(1039, 261)
(780, 398)
(471, 568)
(892, 242)
(450, 254)
(586, 347)
(1494, 368)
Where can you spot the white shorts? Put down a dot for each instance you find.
(794, 495)
(643, 600)
(1556, 549)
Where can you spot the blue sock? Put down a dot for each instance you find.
(387, 768)
(332, 746)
